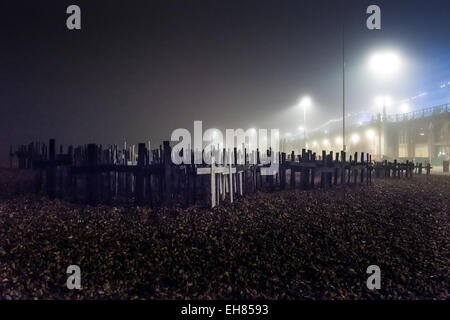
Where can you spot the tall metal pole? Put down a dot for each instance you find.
(343, 87)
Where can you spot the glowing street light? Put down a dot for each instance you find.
(382, 101)
(355, 138)
(404, 108)
(305, 103)
(370, 134)
(385, 64)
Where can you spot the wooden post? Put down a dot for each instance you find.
(167, 167)
(362, 167)
(283, 171)
(386, 169)
(312, 158)
(292, 170)
(213, 180)
(322, 173)
(336, 169)
(368, 170)
(140, 193)
(329, 165)
(395, 172)
(304, 171)
(349, 176)
(51, 171)
(92, 181)
(407, 169)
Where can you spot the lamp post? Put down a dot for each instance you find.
(305, 103)
(384, 65)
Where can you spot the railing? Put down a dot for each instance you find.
(94, 175)
(418, 114)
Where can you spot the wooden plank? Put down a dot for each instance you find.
(51, 171)
(92, 179)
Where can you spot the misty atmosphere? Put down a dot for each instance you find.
(225, 150)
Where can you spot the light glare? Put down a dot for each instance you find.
(355, 138)
(385, 63)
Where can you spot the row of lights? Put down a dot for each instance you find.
(387, 101)
(355, 138)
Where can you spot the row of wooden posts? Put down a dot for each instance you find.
(93, 175)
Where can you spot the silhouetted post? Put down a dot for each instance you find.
(336, 168)
(349, 176)
(312, 158)
(92, 179)
(407, 169)
(51, 171)
(140, 173)
(362, 167)
(283, 171)
(292, 170)
(303, 171)
(329, 165)
(167, 172)
(395, 172)
(368, 169)
(323, 174)
(386, 169)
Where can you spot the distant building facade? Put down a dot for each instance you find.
(420, 136)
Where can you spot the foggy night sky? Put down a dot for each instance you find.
(139, 69)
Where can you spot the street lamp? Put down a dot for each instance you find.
(383, 102)
(384, 64)
(305, 103)
(302, 130)
(404, 108)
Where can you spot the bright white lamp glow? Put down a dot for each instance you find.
(385, 63)
(325, 142)
(338, 140)
(305, 102)
(404, 108)
(252, 130)
(370, 134)
(301, 128)
(314, 143)
(355, 138)
(381, 101)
